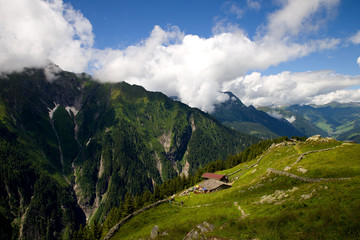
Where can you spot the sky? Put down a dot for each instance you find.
(267, 52)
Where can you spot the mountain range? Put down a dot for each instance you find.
(72, 147)
(337, 120)
(236, 115)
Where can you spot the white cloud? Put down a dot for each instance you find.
(275, 114)
(232, 8)
(32, 32)
(343, 96)
(197, 69)
(356, 38)
(253, 4)
(298, 16)
(51, 71)
(278, 115)
(291, 119)
(194, 68)
(288, 88)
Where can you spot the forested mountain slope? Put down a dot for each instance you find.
(72, 147)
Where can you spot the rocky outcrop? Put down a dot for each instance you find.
(203, 227)
(154, 232)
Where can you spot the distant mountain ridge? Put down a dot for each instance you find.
(235, 114)
(338, 120)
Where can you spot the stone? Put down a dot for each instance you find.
(314, 138)
(302, 170)
(193, 234)
(287, 168)
(202, 228)
(209, 226)
(154, 232)
(306, 196)
(164, 234)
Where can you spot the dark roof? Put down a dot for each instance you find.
(212, 184)
(213, 176)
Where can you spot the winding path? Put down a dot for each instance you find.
(257, 162)
(309, 152)
(305, 179)
(243, 214)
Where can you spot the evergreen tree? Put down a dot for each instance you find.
(128, 206)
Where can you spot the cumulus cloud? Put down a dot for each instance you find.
(33, 32)
(288, 88)
(197, 69)
(194, 68)
(358, 61)
(344, 96)
(298, 16)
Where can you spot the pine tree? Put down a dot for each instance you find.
(138, 202)
(128, 206)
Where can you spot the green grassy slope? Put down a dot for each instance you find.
(264, 204)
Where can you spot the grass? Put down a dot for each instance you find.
(295, 210)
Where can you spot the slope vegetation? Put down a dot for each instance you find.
(70, 142)
(294, 190)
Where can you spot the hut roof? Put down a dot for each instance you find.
(213, 176)
(212, 184)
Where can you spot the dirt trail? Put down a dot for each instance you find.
(257, 162)
(305, 179)
(302, 156)
(243, 214)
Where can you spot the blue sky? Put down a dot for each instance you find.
(275, 52)
(118, 24)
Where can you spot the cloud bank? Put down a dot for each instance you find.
(32, 32)
(288, 88)
(197, 69)
(194, 68)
